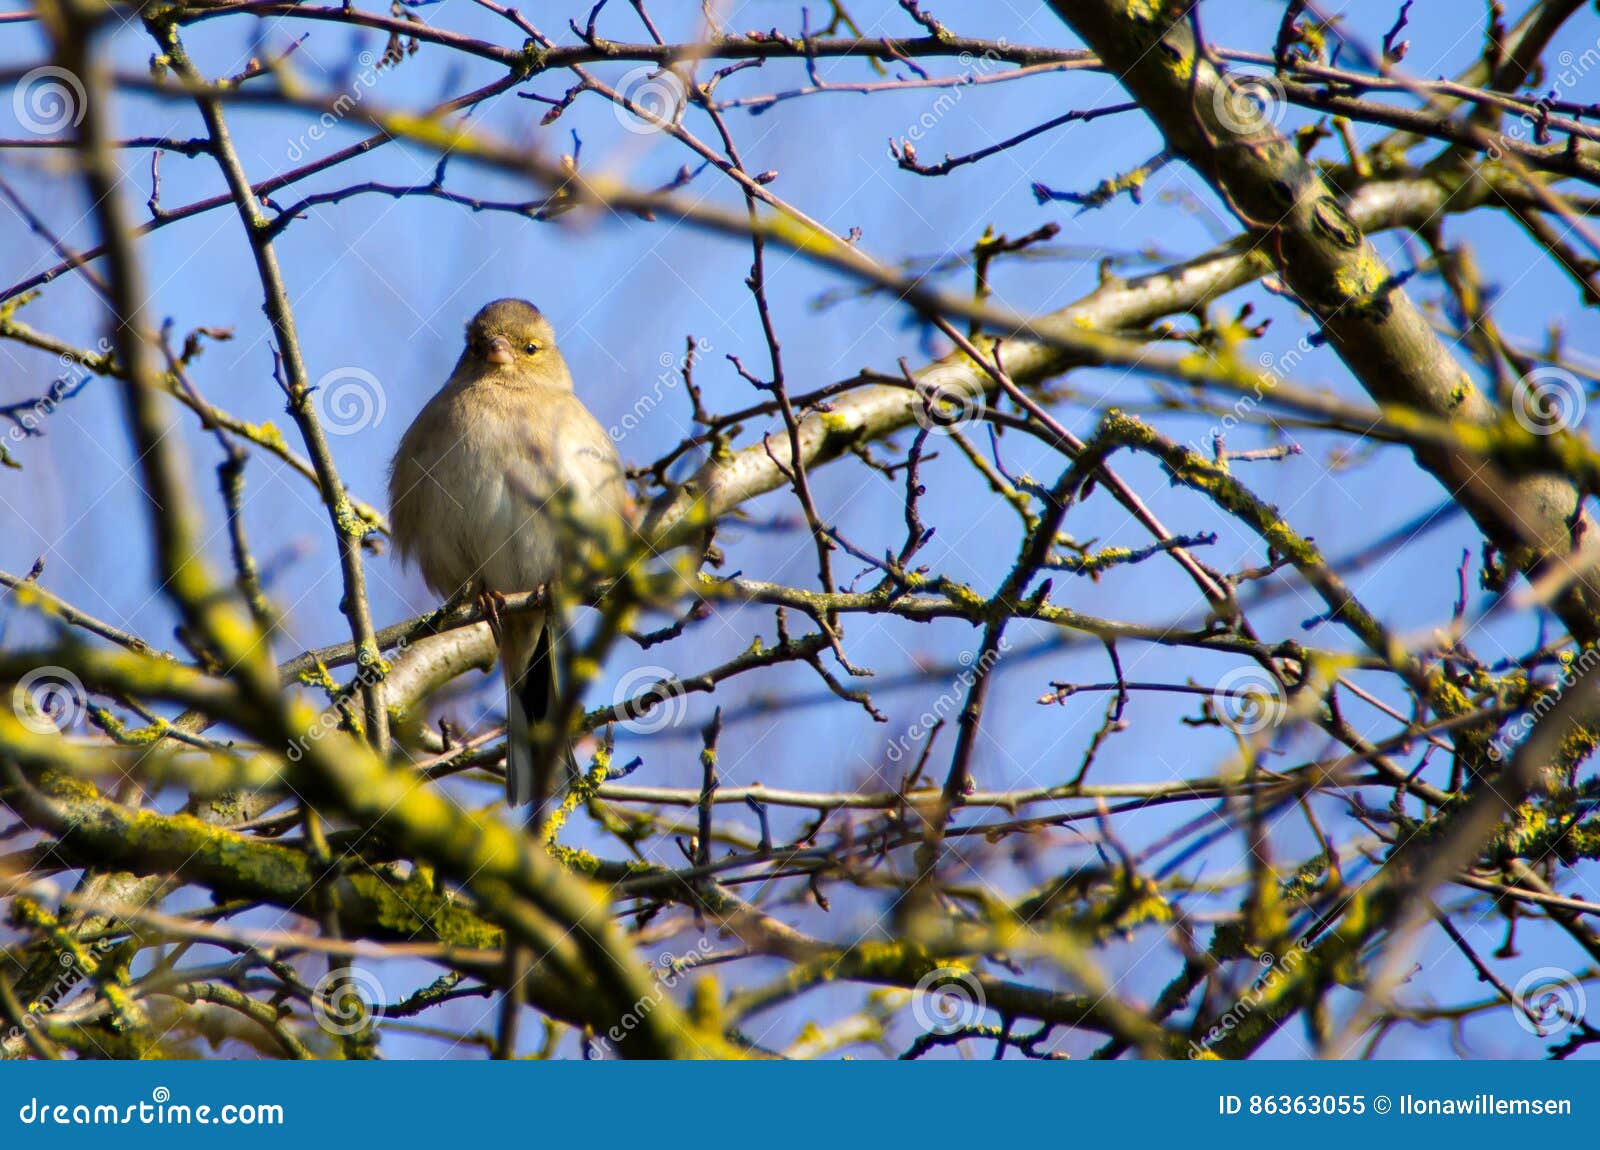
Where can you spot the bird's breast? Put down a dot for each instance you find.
(486, 493)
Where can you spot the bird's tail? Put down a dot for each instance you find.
(528, 657)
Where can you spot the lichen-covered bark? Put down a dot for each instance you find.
(1338, 275)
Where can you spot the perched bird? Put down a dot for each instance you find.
(495, 484)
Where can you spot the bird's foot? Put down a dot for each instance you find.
(491, 603)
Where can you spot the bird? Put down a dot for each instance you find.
(496, 485)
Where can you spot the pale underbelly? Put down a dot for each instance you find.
(492, 531)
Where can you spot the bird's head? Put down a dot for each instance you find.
(512, 334)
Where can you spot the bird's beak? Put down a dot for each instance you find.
(499, 351)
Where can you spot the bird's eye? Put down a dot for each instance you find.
(531, 348)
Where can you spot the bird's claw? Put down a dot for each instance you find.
(491, 603)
